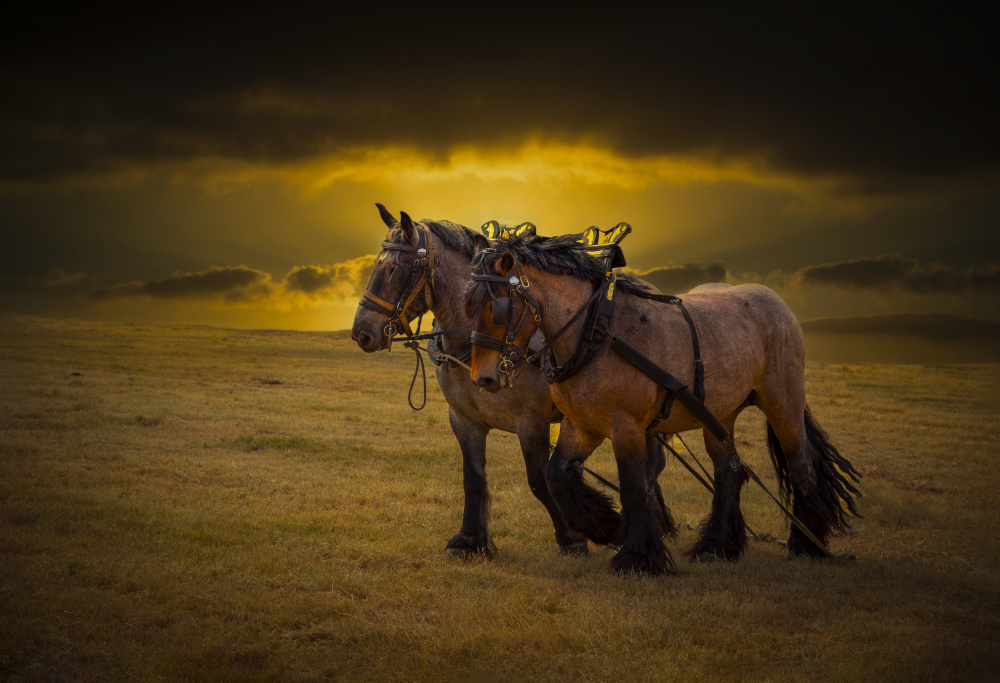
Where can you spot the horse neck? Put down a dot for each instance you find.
(560, 297)
(454, 269)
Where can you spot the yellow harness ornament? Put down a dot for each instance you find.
(492, 230)
(606, 243)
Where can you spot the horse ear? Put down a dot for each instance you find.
(387, 218)
(480, 243)
(406, 223)
(506, 263)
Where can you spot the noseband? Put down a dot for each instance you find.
(410, 279)
(511, 355)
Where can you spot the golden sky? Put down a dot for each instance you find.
(192, 165)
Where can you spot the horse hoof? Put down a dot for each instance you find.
(710, 552)
(579, 548)
(629, 562)
(467, 553)
(465, 547)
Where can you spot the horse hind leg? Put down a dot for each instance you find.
(818, 478)
(585, 509)
(723, 534)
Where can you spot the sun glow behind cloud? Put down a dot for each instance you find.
(552, 164)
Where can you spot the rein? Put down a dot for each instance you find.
(419, 277)
(413, 342)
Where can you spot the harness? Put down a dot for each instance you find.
(511, 355)
(596, 330)
(409, 279)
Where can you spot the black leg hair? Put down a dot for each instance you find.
(828, 504)
(473, 538)
(586, 510)
(643, 550)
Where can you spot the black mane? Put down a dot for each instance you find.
(453, 235)
(561, 255)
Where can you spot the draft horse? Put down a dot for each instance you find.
(425, 266)
(752, 353)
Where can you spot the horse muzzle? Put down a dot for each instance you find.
(368, 342)
(489, 384)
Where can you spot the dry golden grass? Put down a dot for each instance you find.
(229, 505)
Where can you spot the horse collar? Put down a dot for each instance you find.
(600, 308)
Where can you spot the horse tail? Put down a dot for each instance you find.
(780, 464)
(834, 475)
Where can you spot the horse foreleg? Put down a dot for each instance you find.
(534, 437)
(474, 537)
(643, 550)
(724, 535)
(656, 460)
(585, 509)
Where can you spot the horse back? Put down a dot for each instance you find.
(743, 332)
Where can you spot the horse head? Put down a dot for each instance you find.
(504, 315)
(404, 269)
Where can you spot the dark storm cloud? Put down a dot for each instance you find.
(234, 284)
(888, 95)
(348, 278)
(682, 278)
(937, 327)
(899, 272)
(56, 278)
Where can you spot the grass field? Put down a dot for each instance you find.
(192, 503)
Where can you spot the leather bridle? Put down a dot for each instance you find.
(410, 279)
(502, 313)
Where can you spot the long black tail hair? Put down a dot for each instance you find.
(835, 475)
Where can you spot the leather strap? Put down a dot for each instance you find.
(601, 306)
(675, 389)
(699, 366)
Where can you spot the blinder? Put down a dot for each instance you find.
(400, 277)
(502, 314)
(503, 310)
(406, 279)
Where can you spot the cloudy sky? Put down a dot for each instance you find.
(221, 166)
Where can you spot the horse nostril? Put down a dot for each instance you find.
(364, 339)
(484, 382)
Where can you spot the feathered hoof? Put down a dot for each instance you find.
(800, 546)
(704, 551)
(630, 562)
(577, 548)
(465, 547)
